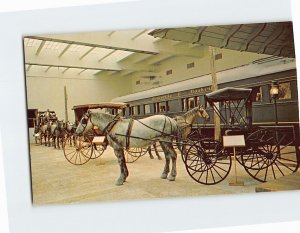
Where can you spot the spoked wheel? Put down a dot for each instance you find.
(133, 154)
(269, 154)
(80, 153)
(207, 162)
(193, 137)
(183, 148)
(98, 150)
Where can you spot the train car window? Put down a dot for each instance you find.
(120, 111)
(162, 106)
(167, 106)
(137, 110)
(197, 100)
(131, 111)
(257, 95)
(191, 103)
(183, 105)
(284, 91)
(156, 107)
(147, 108)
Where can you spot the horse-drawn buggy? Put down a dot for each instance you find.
(79, 150)
(270, 151)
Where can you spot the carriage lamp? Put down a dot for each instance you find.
(274, 93)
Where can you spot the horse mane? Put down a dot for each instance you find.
(190, 112)
(102, 116)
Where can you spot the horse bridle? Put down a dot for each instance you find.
(85, 119)
(107, 128)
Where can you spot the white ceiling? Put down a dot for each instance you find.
(141, 52)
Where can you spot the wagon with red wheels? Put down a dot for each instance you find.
(79, 150)
(270, 152)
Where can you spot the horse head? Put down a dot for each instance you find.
(202, 113)
(85, 124)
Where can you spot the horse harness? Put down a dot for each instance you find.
(127, 136)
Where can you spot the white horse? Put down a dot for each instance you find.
(126, 133)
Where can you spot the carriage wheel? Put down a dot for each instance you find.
(133, 154)
(193, 137)
(98, 150)
(80, 153)
(185, 144)
(270, 154)
(207, 162)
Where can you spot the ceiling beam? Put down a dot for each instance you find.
(107, 55)
(87, 52)
(48, 69)
(65, 50)
(82, 71)
(40, 48)
(64, 66)
(28, 68)
(112, 32)
(257, 30)
(198, 35)
(66, 70)
(139, 34)
(234, 29)
(278, 31)
(92, 43)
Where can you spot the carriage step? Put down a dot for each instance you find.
(285, 183)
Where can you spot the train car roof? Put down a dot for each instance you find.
(228, 93)
(101, 105)
(230, 75)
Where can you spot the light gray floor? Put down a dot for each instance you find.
(55, 180)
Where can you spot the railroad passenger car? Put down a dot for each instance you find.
(177, 98)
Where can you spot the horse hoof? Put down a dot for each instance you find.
(164, 176)
(151, 157)
(171, 178)
(119, 182)
(159, 158)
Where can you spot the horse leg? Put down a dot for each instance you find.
(174, 158)
(119, 152)
(149, 151)
(45, 138)
(58, 139)
(166, 170)
(156, 152)
(54, 141)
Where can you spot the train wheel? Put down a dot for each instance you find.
(270, 154)
(80, 153)
(207, 162)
